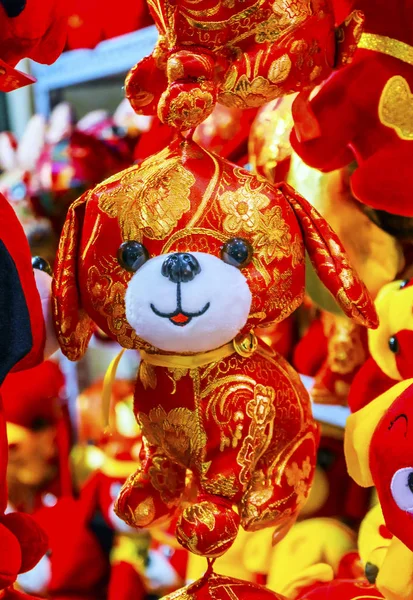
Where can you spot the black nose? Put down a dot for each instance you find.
(371, 572)
(13, 8)
(180, 267)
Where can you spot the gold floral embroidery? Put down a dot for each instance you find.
(242, 209)
(150, 199)
(203, 512)
(248, 94)
(261, 489)
(168, 479)
(108, 298)
(261, 410)
(221, 485)
(273, 238)
(189, 109)
(298, 478)
(279, 69)
(396, 107)
(147, 375)
(144, 513)
(176, 432)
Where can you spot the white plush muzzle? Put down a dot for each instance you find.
(219, 295)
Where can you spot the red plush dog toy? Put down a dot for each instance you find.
(364, 112)
(238, 54)
(182, 258)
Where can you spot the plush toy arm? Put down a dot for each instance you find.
(335, 116)
(311, 350)
(144, 86)
(369, 383)
(330, 262)
(150, 496)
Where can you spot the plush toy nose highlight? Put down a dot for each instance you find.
(180, 267)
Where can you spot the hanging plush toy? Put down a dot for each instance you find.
(390, 345)
(182, 258)
(238, 54)
(378, 452)
(363, 113)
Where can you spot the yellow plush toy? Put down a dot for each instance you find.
(390, 345)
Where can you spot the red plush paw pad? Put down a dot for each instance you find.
(207, 528)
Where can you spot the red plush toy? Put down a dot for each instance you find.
(91, 22)
(379, 452)
(240, 55)
(34, 29)
(182, 258)
(22, 345)
(39, 436)
(363, 112)
(341, 590)
(332, 351)
(78, 566)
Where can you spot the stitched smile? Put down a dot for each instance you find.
(179, 316)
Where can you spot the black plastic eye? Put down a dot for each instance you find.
(237, 252)
(41, 264)
(325, 458)
(404, 283)
(132, 255)
(394, 345)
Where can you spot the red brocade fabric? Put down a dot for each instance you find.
(206, 201)
(241, 55)
(185, 199)
(214, 586)
(342, 590)
(363, 112)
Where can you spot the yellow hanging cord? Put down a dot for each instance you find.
(107, 390)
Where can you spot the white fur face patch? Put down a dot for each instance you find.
(201, 313)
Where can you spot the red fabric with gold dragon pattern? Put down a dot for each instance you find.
(240, 54)
(211, 411)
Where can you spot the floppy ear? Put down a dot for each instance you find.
(73, 325)
(359, 431)
(331, 263)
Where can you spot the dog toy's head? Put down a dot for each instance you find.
(186, 251)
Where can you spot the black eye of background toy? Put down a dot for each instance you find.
(132, 255)
(394, 345)
(237, 252)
